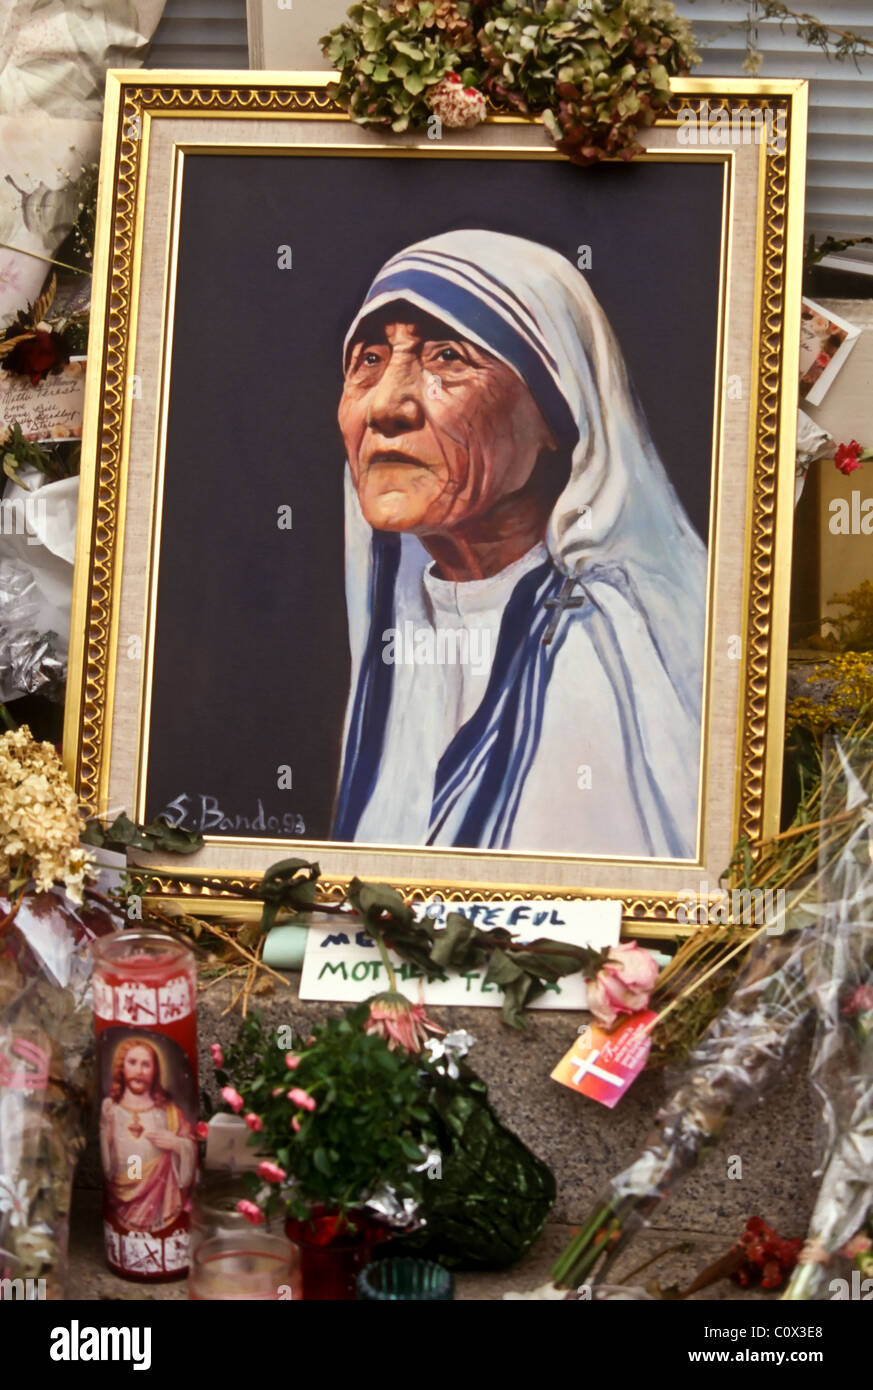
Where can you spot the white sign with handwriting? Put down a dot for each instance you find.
(342, 962)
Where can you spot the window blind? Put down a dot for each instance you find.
(839, 185)
(200, 34)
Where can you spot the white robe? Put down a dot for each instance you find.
(579, 791)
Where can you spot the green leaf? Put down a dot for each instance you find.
(322, 1161)
(123, 834)
(456, 944)
(409, 50)
(291, 885)
(413, 83)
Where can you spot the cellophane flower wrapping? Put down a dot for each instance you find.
(841, 1063)
(741, 1056)
(46, 1081)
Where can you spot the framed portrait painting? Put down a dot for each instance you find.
(437, 493)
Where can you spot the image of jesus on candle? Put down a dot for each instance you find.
(526, 594)
(147, 1145)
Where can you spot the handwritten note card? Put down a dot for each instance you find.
(342, 962)
(51, 411)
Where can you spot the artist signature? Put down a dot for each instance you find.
(204, 814)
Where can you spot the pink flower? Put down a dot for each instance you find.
(292, 1061)
(201, 1129)
(295, 1124)
(860, 1001)
(858, 1245)
(232, 1098)
(301, 1098)
(250, 1211)
(271, 1172)
(254, 1122)
(217, 1054)
(623, 984)
(277, 1090)
(397, 1020)
(848, 457)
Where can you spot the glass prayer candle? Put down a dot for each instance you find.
(144, 987)
(402, 1279)
(246, 1265)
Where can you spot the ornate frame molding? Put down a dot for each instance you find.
(131, 107)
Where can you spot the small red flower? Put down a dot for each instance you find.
(232, 1098)
(858, 1245)
(37, 355)
(768, 1258)
(271, 1172)
(250, 1211)
(201, 1129)
(217, 1054)
(292, 1061)
(297, 1096)
(848, 456)
(295, 1124)
(858, 1002)
(254, 1122)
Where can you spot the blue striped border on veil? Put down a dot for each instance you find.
(369, 719)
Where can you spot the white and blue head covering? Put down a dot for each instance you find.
(617, 528)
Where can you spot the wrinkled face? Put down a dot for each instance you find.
(139, 1070)
(436, 429)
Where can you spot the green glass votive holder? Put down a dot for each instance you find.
(406, 1280)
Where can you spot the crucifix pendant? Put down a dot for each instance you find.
(566, 599)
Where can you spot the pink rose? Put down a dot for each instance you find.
(292, 1061)
(295, 1124)
(250, 1211)
(623, 984)
(301, 1098)
(271, 1172)
(201, 1129)
(232, 1098)
(254, 1122)
(217, 1054)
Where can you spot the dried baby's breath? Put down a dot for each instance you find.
(40, 825)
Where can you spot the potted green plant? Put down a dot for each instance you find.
(343, 1116)
(370, 1131)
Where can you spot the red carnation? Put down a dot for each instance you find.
(37, 355)
(764, 1257)
(848, 456)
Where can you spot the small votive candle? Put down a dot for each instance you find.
(243, 1266)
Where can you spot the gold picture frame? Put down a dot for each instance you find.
(153, 123)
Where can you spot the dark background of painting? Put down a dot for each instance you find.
(251, 655)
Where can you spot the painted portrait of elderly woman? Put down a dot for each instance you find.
(525, 593)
